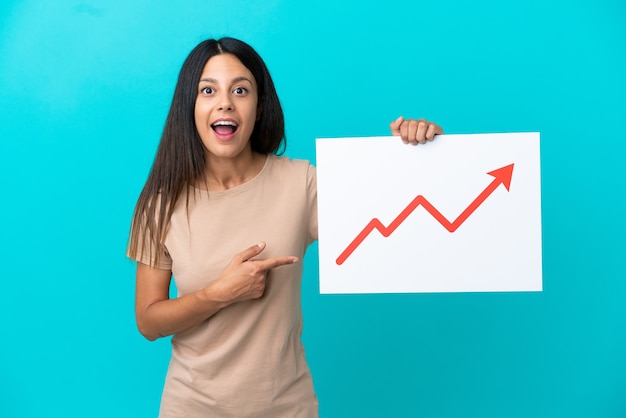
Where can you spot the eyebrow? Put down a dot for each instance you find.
(234, 80)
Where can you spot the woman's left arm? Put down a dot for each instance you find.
(414, 131)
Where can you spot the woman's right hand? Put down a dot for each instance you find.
(245, 278)
(158, 315)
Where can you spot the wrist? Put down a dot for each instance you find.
(213, 295)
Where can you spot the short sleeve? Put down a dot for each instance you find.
(146, 250)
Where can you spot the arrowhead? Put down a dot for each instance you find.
(503, 175)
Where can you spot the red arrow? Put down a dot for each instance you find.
(501, 176)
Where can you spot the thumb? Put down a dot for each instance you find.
(395, 126)
(253, 251)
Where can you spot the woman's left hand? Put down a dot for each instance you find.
(414, 131)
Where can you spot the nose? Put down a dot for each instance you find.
(225, 102)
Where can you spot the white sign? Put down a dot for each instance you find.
(459, 214)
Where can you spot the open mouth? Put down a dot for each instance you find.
(224, 127)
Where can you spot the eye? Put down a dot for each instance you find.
(207, 90)
(240, 91)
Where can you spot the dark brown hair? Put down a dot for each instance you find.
(180, 158)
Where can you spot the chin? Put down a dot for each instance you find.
(225, 151)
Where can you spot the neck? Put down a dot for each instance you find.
(227, 173)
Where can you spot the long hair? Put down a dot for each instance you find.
(180, 159)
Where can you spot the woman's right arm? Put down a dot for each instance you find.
(158, 316)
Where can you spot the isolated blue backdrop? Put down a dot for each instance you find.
(84, 90)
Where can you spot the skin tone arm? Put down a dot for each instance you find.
(158, 316)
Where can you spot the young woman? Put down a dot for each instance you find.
(230, 221)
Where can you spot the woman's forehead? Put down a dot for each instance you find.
(226, 67)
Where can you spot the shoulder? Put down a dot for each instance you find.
(286, 165)
(292, 173)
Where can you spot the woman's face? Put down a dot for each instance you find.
(226, 107)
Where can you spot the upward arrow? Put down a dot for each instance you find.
(502, 176)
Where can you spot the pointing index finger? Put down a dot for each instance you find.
(271, 263)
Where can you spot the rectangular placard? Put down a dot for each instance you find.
(459, 214)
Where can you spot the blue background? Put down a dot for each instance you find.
(84, 91)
